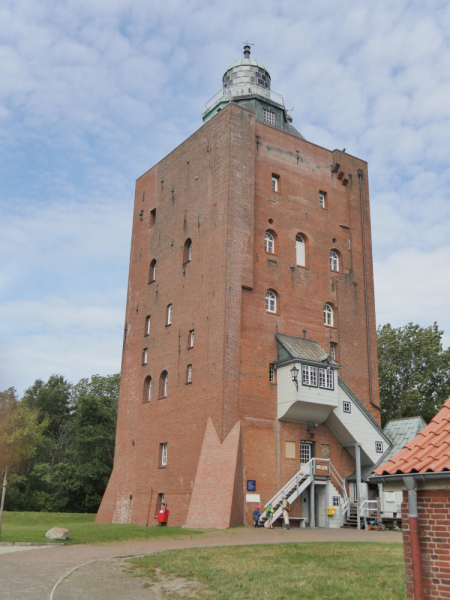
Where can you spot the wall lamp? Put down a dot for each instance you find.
(294, 375)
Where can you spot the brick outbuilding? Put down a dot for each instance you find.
(422, 470)
(250, 341)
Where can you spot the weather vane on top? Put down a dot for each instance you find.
(247, 49)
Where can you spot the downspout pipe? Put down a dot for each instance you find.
(413, 520)
(366, 296)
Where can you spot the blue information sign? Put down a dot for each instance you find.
(251, 485)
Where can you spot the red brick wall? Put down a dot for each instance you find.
(434, 537)
(215, 189)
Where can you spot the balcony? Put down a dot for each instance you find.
(248, 90)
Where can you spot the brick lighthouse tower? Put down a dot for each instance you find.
(249, 353)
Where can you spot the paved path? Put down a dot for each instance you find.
(33, 575)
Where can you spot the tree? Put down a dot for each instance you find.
(414, 371)
(20, 433)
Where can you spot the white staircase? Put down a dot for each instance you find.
(301, 480)
(292, 489)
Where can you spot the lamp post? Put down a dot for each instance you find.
(294, 374)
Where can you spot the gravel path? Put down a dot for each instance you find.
(33, 575)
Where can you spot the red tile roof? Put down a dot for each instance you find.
(428, 452)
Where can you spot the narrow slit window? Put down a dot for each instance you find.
(275, 183)
(322, 199)
(191, 338)
(144, 356)
(163, 384)
(169, 314)
(333, 350)
(187, 251)
(152, 272)
(189, 374)
(300, 250)
(271, 373)
(147, 325)
(147, 389)
(152, 219)
(164, 455)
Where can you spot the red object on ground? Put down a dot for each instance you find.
(163, 515)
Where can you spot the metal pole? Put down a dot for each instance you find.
(381, 494)
(312, 508)
(358, 484)
(327, 498)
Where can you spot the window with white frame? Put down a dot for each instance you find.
(152, 272)
(309, 375)
(164, 455)
(326, 379)
(163, 384)
(347, 406)
(334, 261)
(328, 315)
(305, 452)
(191, 338)
(322, 200)
(336, 501)
(189, 374)
(333, 350)
(271, 301)
(269, 242)
(147, 325)
(169, 314)
(144, 356)
(269, 117)
(300, 250)
(379, 446)
(147, 389)
(271, 373)
(275, 183)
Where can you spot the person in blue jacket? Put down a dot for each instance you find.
(256, 515)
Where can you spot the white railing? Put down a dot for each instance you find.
(296, 480)
(366, 510)
(345, 506)
(245, 91)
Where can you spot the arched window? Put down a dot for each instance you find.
(152, 271)
(189, 374)
(271, 301)
(328, 315)
(187, 251)
(147, 389)
(163, 382)
(334, 261)
(169, 314)
(300, 250)
(269, 242)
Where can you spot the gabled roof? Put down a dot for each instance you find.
(290, 347)
(428, 452)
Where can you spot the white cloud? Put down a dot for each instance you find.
(96, 91)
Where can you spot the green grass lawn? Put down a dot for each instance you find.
(32, 526)
(347, 571)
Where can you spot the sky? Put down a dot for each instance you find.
(93, 93)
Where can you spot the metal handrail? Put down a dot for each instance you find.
(245, 90)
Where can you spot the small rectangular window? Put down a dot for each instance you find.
(189, 374)
(169, 314)
(163, 454)
(191, 338)
(309, 375)
(305, 453)
(379, 446)
(290, 449)
(323, 199)
(144, 356)
(347, 407)
(336, 501)
(333, 350)
(269, 117)
(152, 219)
(147, 325)
(326, 379)
(271, 373)
(275, 183)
